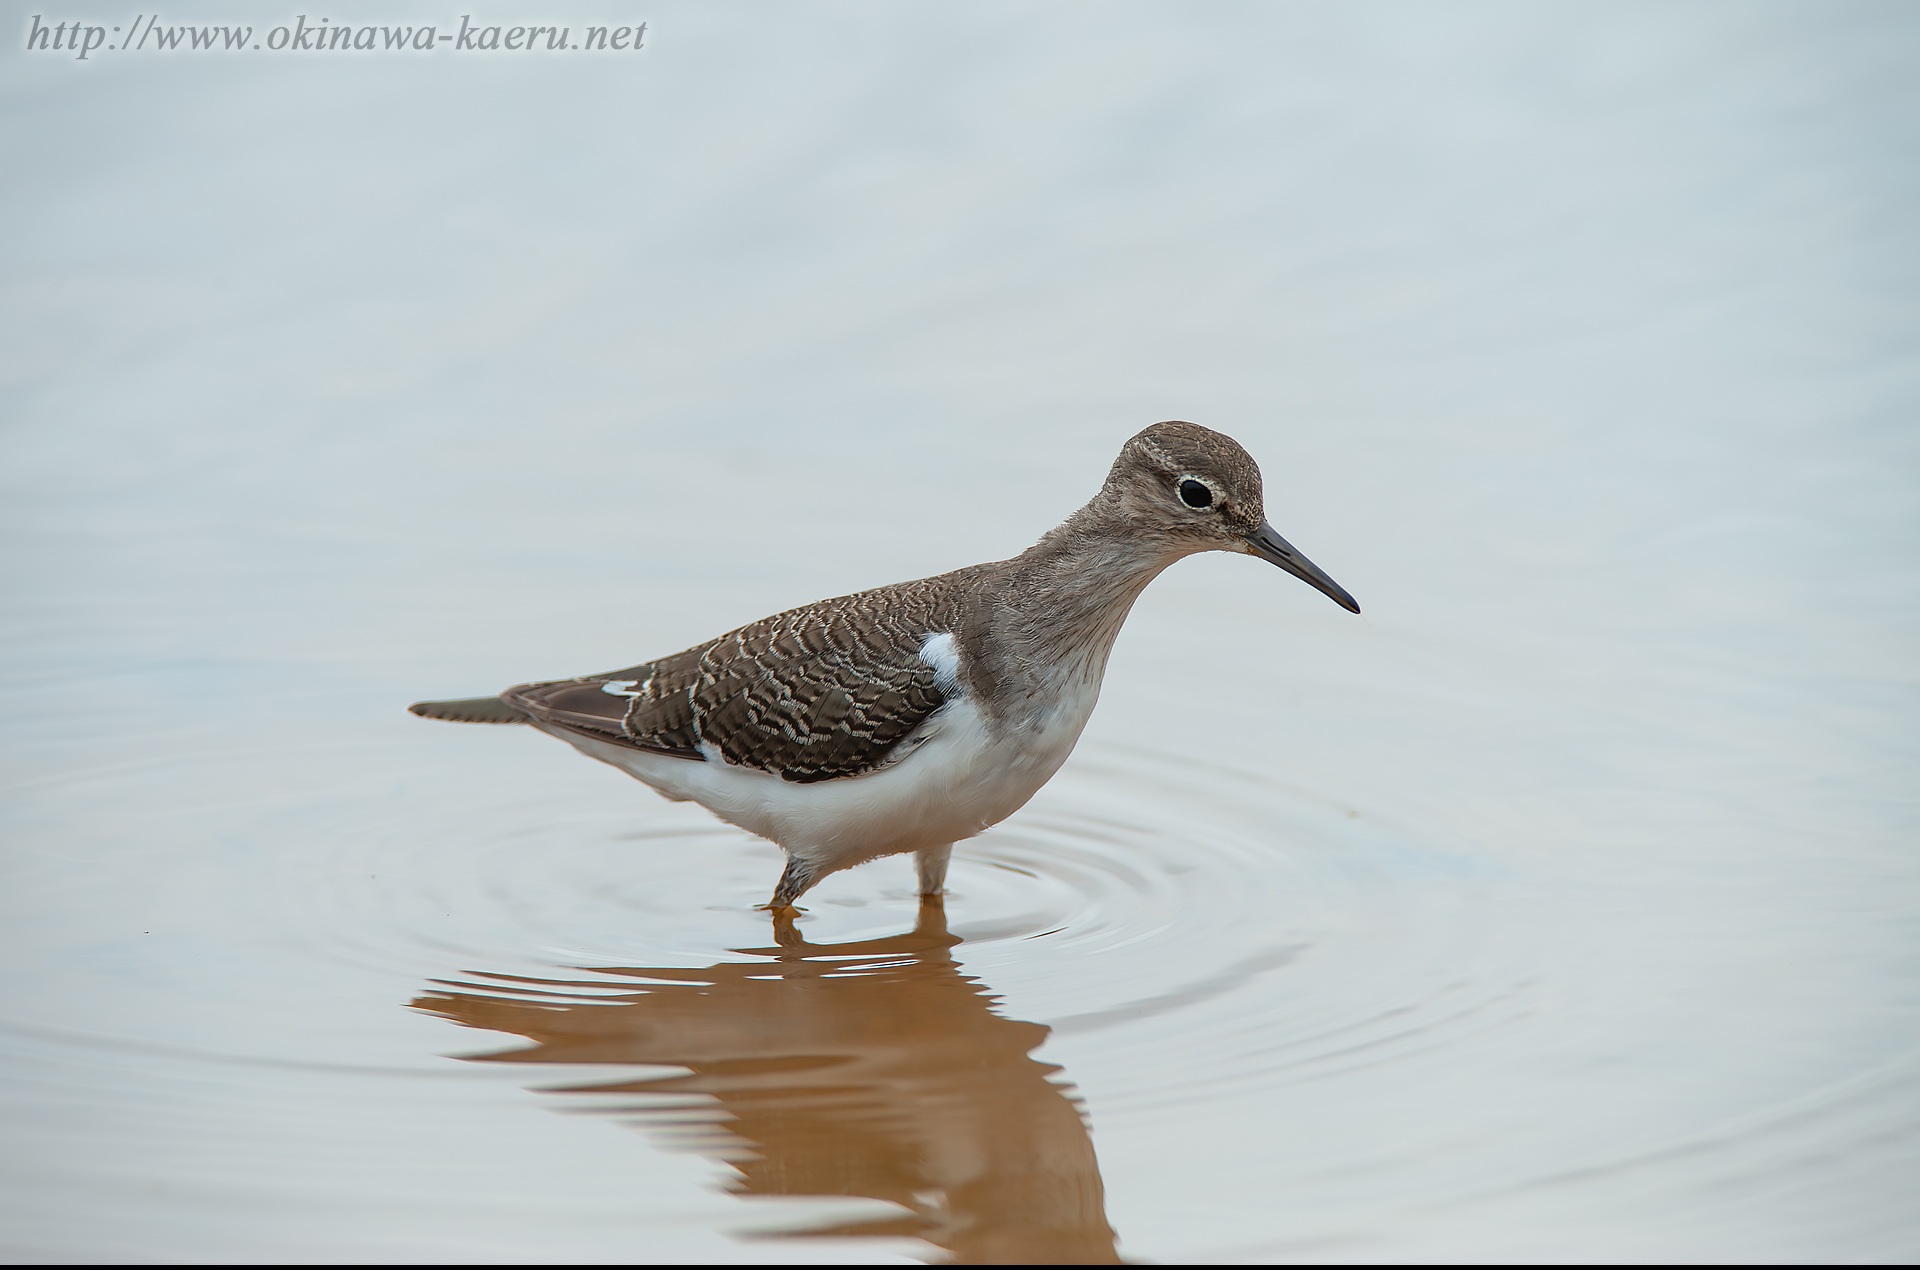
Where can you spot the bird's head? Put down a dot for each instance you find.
(1192, 489)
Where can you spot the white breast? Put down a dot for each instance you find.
(953, 776)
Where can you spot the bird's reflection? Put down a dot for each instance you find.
(874, 1069)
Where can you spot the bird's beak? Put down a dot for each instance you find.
(1274, 549)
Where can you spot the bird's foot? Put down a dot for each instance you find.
(799, 876)
(785, 933)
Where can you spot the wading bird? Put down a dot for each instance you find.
(912, 716)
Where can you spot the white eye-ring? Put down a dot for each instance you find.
(1198, 494)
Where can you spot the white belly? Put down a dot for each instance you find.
(956, 781)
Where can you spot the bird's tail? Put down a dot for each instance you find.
(471, 710)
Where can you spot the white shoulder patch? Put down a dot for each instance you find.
(939, 652)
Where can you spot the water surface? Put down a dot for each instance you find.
(1562, 907)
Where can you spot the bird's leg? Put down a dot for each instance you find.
(794, 883)
(932, 866)
(785, 933)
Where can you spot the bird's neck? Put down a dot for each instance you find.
(1058, 606)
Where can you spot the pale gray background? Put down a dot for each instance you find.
(1577, 340)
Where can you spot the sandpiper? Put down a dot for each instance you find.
(910, 717)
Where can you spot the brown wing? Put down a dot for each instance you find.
(813, 694)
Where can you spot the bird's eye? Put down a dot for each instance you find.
(1196, 495)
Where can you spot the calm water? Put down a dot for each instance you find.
(1562, 907)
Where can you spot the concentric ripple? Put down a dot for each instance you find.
(1198, 961)
(1197, 909)
(1137, 889)
(1224, 933)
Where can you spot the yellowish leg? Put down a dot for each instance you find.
(793, 884)
(932, 865)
